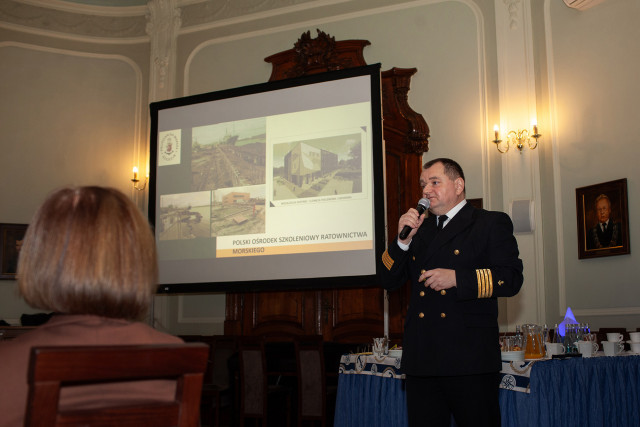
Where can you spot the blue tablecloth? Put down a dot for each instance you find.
(598, 391)
(364, 379)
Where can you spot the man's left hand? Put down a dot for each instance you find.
(438, 278)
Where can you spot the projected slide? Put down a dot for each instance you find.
(228, 154)
(316, 171)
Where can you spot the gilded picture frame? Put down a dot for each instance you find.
(603, 219)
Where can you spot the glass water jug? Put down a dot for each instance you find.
(533, 342)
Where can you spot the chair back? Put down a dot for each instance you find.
(53, 368)
(11, 332)
(253, 379)
(311, 379)
(223, 348)
(219, 385)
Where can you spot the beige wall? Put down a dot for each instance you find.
(593, 67)
(74, 110)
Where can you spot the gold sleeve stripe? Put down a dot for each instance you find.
(387, 260)
(490, 291)
(485, 283)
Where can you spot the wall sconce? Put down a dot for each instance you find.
(135, 180)
(517, 138)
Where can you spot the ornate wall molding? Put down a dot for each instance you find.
(582, 4)
(520, 174)
(163, 23)
(514, 10)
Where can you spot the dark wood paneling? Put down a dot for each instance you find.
(356, 314)
(280, 313)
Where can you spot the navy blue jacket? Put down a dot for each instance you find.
(455, 331)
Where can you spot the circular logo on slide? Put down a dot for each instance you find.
(169, 147)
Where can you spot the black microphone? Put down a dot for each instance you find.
(423, 205)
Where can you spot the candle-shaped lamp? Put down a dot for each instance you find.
(535, 126)
(496, 132)
(135, 179)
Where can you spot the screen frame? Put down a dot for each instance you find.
(378, 182)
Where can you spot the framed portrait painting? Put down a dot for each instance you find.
(11, 236)
(603, 219)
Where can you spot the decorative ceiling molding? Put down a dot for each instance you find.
(582, 4)
(55, 21)
(103, 24)
(202, 13)
(87, 9)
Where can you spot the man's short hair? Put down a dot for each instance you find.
(451, 168)
(603, 196)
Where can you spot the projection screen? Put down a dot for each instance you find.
(271, 186)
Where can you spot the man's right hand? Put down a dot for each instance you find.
(414, 220)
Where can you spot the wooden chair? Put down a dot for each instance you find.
(53, 368)
(312, 393)
(254, 389)
(217, 390)
(194, 338)
(11, 332)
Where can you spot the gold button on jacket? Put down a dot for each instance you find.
(443, 315)
(421, 293)
(443, 292)
(421, 315)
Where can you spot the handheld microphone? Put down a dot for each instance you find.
(423, 205)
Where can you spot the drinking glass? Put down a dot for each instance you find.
(380, 346)
(569, 334)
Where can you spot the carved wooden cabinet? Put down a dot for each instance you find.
(354, 314)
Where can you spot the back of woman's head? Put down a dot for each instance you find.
(88, 250)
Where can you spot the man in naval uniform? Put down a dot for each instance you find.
(460, 260)
(606, 233)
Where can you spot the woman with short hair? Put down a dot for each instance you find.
(89, 256)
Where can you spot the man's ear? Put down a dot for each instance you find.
(459, 184)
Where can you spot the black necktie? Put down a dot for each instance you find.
(441, 220)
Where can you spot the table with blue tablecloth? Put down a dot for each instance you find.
(597, 391)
